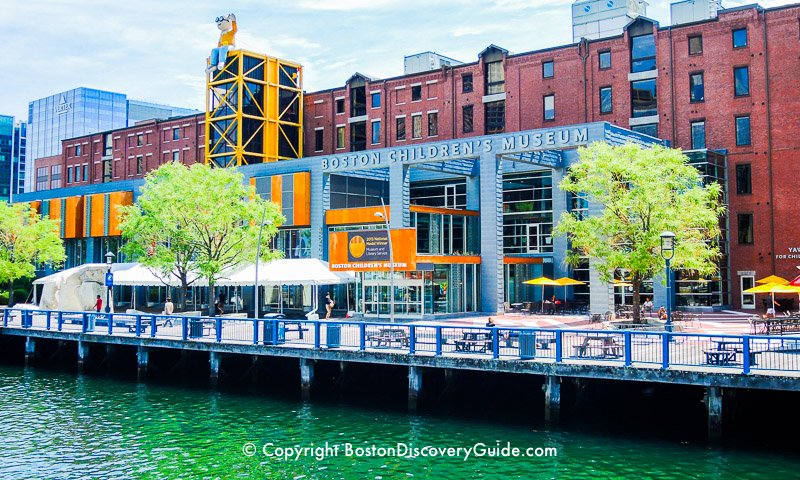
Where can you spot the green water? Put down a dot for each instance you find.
(61, 425)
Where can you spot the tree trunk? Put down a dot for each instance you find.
(212, 300)
(10, 293)
(637, 285)
(184, 287)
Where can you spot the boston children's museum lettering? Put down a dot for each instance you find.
(512, 143)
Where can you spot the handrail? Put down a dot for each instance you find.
(624, 349)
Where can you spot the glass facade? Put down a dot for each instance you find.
(18, 155)
(6, 142)
(528, 212)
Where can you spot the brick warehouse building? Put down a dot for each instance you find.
(658, 81)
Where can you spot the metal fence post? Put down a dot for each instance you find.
(316, 334)
(184, 328)
(110, 323)
(153, 326)
(362, 336)
(438, 341)
(746, 354)
(559, 345)
(5, 317)
(665, 338)
(255, 331)
(412, 339)
(218, 326)
(85, 318)
(60, 320)
(495, 344)
(138, 325)
(47, 321)
(628, 349)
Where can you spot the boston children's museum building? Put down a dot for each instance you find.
(462, 161)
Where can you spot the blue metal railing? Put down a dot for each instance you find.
(735, 353)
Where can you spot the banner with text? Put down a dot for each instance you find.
(368, 250)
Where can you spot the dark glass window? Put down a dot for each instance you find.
(86, 173)
(139, 165)
(745, 228)
(643, 53)
(548, 70)
(695, 45)
(649, 129)
(466, 83)
(495, 117)
(376, 100)
(698, 135)
(549, 107)
(176, 133)
(696, 87)
(319, 140)
(643, 98)
(740, 38)
(358, 101)
(433, 124)
(340, 137)
(77, 150)
(743, 130)
(139, 140)
(467, 118)
(340, 105)
(495, 78)
(376, 132)
(744, 184)
(401, 128)
(741, 81)
(604, 59)
(606, 105)
(416, 93)
(69, 174)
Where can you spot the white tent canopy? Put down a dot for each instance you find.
(127, 274)
(293, 271)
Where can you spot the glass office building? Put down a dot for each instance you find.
(18, 154)
(6, 140)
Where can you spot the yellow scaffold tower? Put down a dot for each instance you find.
(254, 110)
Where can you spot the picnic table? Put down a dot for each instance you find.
(474, 341)
(776, 325)
(727, 353)
(603, 346)
(387, 337)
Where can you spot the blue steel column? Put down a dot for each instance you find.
(473, 193)
(320, 202)
(399, 196)
(560, 267)
(491, 220)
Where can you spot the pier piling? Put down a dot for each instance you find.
(306, 378)
(414, 386)
(213, 362)
(83, 354)
(30, 347)
(713, 401)
(552, 399)
(142, 358)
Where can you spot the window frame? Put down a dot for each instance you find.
(611, 99)
(744, 188)
(691, 133)
(464, 83)
(341, 137)
(552, 98)
(319, 139)
(336, 103)
(733, 37)
(749, 235)
(400, 122)
(552, 66)
(416, 93)
(689, 39)
(749, 130)
(464, 110)
(600, 60)
(375, 132)
(416, 121)
(372, 97)
(176, 133)
(692, 86)
(433, 124)
(746, 69)
(642, 59)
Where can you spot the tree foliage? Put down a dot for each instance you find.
(197, 222)
(26, 240)
(642, 192)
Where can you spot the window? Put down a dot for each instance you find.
(69, 174)
(107, 170)
(376, 132)
(466, 118)
(604, 59)
(643, 53)
(696, 87)
(176, 156)
(41, 178)
(109, 145)
(401, 128)
(740, 38)
(606, 105)
(746, 228)
(698, 135)
(744, 183)
(139, 140)
(649, 129)
(695, 45)
(741, 81)
(549, 107)
(495, 78)
(466, 83)
(55, 176)
(743, 130)
(139, 165)
(643, 98)
(77, 150)
(358, 101)
(86, 172)
(339, 106)
(433, 124)
(77, 173)
(319, 140)
(495, 119)
(376, 100)
(340, 137)
(416, 93)
(547, 69)
(416, 126)
(176, 133)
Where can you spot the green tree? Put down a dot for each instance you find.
(26, 240)
(642, 192)
(197, 222)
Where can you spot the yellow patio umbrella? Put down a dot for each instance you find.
(565, 282)
(621, 283)
(774, 279)
(542, 282)
(772, 289)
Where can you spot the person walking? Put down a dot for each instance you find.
(169, 308)
(98, 304)
(329, 304)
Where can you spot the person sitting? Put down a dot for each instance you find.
(662, 313)
(648, 306)
(490, 322)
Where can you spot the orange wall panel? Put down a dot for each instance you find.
(277, 189)
(354, 216)
(55, 209)
(117, 199)
(522, 260)
(443, 211)
(97, 219)
(302, 198)
(73, 217)
(449, 259)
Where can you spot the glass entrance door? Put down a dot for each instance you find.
(533, 238)
(748, 299)
(407, 297)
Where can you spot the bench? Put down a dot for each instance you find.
(473, 345)
(598, 351)
(295, 327)
(387, 337)
(721, 357)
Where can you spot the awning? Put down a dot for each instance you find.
(292, 271)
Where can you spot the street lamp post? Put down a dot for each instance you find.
(667, 252)
(109, 284)
(385, 218)
(258, 258)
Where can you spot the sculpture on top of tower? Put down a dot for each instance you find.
(227, 28)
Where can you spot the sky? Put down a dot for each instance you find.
(156, 50)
